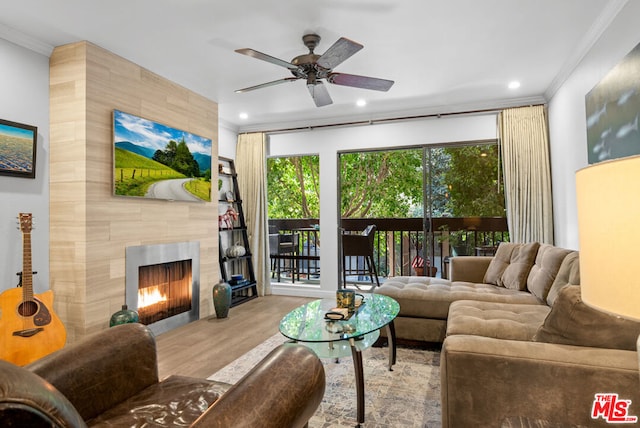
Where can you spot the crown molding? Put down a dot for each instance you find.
(230, 126)
(608, 14)
(21, 39)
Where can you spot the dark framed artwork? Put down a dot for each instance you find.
(613, 108)
(156, 161)
(18, 149)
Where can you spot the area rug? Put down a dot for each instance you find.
(408, 396)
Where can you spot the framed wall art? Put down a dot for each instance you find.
(18, 149)
(613, 108)
(155, 161)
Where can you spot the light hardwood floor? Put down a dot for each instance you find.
(205, 346)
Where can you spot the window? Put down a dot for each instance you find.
(293, 188)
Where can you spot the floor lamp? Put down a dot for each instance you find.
(608, 197)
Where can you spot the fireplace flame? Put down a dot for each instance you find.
(150, 296)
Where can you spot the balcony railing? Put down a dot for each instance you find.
(400, 244)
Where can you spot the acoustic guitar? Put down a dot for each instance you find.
(29, 329)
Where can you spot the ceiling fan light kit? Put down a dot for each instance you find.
(314, 68)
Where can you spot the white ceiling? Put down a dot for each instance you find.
(444, 56)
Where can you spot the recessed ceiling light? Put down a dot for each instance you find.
(361, 103)
(243, 116)
(514, 84)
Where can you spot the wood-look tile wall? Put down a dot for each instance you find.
(90, 228)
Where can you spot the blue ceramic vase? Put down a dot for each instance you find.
(123, 316)
(222, 299)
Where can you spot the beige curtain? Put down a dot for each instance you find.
(527, 174)
(251, 158)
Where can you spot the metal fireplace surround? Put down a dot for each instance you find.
(145, 255)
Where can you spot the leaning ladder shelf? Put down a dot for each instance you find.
(232, 234)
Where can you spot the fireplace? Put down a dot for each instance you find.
(163, 284)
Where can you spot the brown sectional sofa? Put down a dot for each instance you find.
(518, 342)
(111, 380)
(425, 302)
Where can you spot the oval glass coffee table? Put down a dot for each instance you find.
(341, 338)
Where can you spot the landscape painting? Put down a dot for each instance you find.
(155, 161)
(18, 149)
(613, 108)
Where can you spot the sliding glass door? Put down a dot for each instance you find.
(464, 200)
(428, 202)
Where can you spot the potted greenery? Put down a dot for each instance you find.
(459, 245)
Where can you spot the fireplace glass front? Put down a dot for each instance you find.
(164, 290)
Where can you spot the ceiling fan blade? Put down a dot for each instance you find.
(338, 52)
(264, 85)
(363, 82)
(319, 94)
(273, 60)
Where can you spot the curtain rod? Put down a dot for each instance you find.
(388, 120)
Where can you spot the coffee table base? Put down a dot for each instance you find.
(357, 365)
(307, 324)
(338, 349)
(359, 372)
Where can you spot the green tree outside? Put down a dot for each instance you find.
(473, 182)
(380, 183)
(293, 185)
(462, 181)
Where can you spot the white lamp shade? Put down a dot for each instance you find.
(608, 196)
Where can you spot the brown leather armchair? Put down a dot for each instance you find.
(111, 380)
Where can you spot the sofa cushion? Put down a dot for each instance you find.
(425, 297)
(522, 258)
(498, 320)
(572, 322)
(499, 263)
(416, 296)
(543, 272)
(569, 274)
(525, 422)
(176, 401)
(511, 265)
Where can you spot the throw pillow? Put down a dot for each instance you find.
(522, 258)
(569, 274)
(499, 263)
(572, 322)
(544, 270)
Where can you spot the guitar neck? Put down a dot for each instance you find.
(27, 269)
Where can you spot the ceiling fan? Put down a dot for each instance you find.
(313, 68)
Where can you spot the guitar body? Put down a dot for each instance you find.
(29, 329)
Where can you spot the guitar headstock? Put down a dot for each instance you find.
(25, 220)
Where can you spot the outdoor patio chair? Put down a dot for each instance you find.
(357, 255)
(284, 244)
